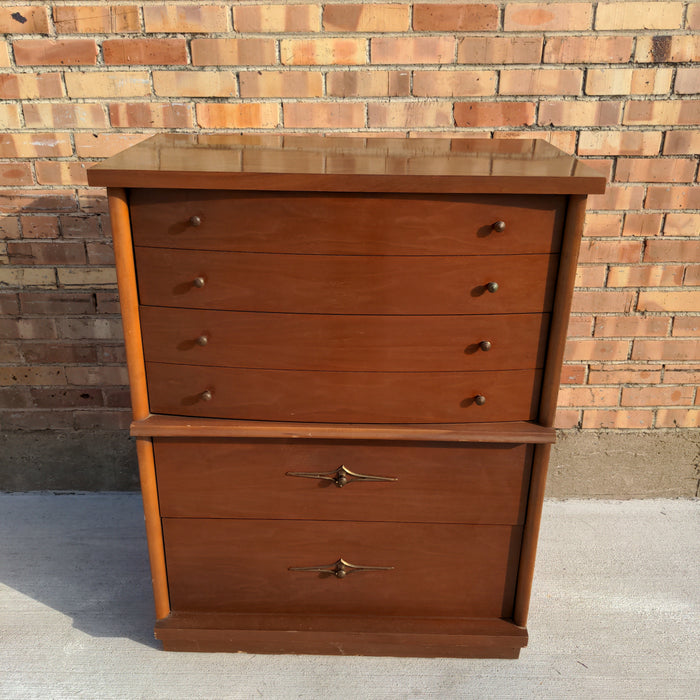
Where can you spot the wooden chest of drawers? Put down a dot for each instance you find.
(344, 358)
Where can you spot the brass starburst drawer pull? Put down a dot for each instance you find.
(341, 476)
(340, 569)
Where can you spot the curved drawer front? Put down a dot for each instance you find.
(420, 569)
(383, 482)
(343, 397)
(346, 224)
(343, 342)
(350, 284)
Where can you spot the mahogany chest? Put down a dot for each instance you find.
(344, 357)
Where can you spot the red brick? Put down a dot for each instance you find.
(592, 143)
(580, 113)
(672, 198)
(281, 19)
(101, 420)
(324, 115)
(15, 397)
(32, 376)
(54, 253)
(185, 83)
(497, 50)
(677, 418)
(111, 354)
(628, 81)
(311, 52)
(375, 83)
(9, 227)
(455, 18)
(662, 112)
(591, 275)
(61, 173)
(682, 142)
(494, 114)
(97, 376)
(644, 225)
(163, 52)
(645, 276)
(15, 174)
(260, 115)
(104, 145)
(33, 200)
(610, 251)
(617, 419)
(49, 52)
(281, 83)
(57, 303)
(79, 227)
(9, 304)
(657, 396)
(687, 81)
(692, 275)
(672, 251)
(165, 115)
(108, 84)
(573, 374)
(412, 50)
(91, 19)
(618, 197)
(588, 49)
(551, 81)
(588, 396)
(567, 419)
(37, 353)
(24, 19)
(9, 116)
(682, 225)
(30, 86)
(639, 15)
(580, 326)
(602, 302)
(598, 225)
(631, 326)
(4, 54)
(60, 397)
(186, 18)
(374, 17)
(99, 253)
(687, 326)
(667, 49)
(83, 115)
(529, 17)
(617, 374)
(686, 300)
(583, 349)
(90, 328)
(35, 145)
(655, 170)
(409, 114)
(453, 83)
(233, 52)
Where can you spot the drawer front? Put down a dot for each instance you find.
(343, 342)
(343, 397)
(477, 484)
(346, 224)
(345, 284)
(244, 566)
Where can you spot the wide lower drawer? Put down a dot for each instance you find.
(407, 568)
(346, 224)
(342, 480)
(346, 284)
(343, 342)
(343, 397)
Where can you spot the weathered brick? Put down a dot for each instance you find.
(24, 277)
(642, 225)
(163, 115)
(588, 49)
(90, 328)
(188, 19)
(179, 83)
(24, 19)
(682, 142)
(57, 115)
(455, 18)
(101, 420)
(672, 251)
(58, 353)
(48, 253)
(86, 277)
(109, 84)
(598, 225)
(79, 227)
(111, 354)
(281, 84)
(682, 225)
(497, 50)
(57, 303)
(602, 302)
(277, 18)
(686, 326)
(32, 328)
(678, 418)
(645, 276)
(39, 226)
(32, 376)
(412, 50)
(60, 397)
(567, 418)
(610, 251)
(681, 374)
(672, 198)
(657, 396)
(93, 19)
(61, 173)
(687, 81)
(314, 52)
(161, 52)
(30, 86)
(233, 52)
(625, 373)
(579, 113)
(693, 17)
(375, 83)
(249, 115)
(639, 15)
(48, 52)
(619, 197)
(35, 145)
(454, 83)
(662, 112)
(685, 300)
(573, 374)
(108, 303)
(590, 275)
(99, 253)
(598, 143)
(104, 145)
(580, 349)
(588, 396)
(373, 17)
(28, 201)
(4, 54)
(628, 81)
(409, 114)
(667, 49)
(9, 227)
(655, 170)
(494, 113)
(324, 115)
(564, 140)
(552, 81)
(692, 275)
(529, 17)
(617, 419)
(9, 304)
(16, 174)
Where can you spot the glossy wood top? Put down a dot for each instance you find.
(292, 162)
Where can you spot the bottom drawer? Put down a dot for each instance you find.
(411, 568)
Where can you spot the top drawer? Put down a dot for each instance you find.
(346, 224)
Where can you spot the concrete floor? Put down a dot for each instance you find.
(615, 614)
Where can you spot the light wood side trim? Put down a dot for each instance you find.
(154, 532)
(129, 301)
(566, 276)
(128, 297)
(526, 568)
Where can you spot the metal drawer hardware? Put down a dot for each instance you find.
(341, 476)
(340, 569)
(197, 221)
(491, 287)
(499, 226)
(485, 345)
(198, 282)
(206, 395)
(479, 399)
(202, 340)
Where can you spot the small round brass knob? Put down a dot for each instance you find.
(206, 395)
(202, 340)
(341, 480)
(198, 282)
(499, 226)
(492, 287)
(485, 345)
(479, 399)
(340, 573)
(195, 221)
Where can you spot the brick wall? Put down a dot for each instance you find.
(613, 82)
